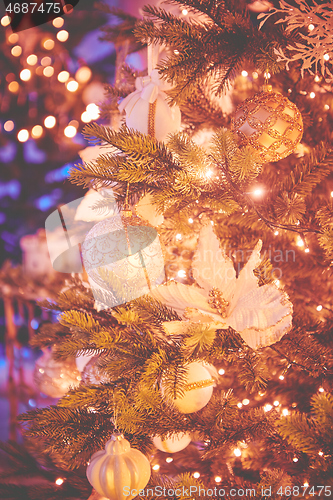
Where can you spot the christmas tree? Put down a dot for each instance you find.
(202, 327)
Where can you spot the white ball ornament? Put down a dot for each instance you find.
(198, 389)
(172, 444)
(118, 469)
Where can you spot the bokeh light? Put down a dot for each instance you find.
(72, 86)
(50, 121)
(32, 60)
(23, 135)
(14, 87)
(25, 75)
(63, 76)
(48, 44)
(37, 131)
(13, 38)
(83, 74)
(70, 131)
(58, 22)
(48, 71)
(9, 125)
(5, 20)
(16, 51)
(62, 35)
(46, 61)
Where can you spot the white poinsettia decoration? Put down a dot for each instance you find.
(260, 314)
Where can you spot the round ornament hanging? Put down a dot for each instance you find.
(172, 444)
(118, 470)
(55, 378)
(270, 123)
(123, 258)
(198, 389)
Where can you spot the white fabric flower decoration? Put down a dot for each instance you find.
(261, 315)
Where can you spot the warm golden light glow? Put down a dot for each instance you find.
(319, 308)
(268, 407)
(221, 371)
(281, 377)
(312, 95)
(285, 412)
(59, 481)
(50, 121)
(93, 111)
(181, 274)
(169, 460)
(9, 125)
(13, 87)
(5, 20)
(156, 467)
(13, 38)
(326, 57)
(321, 389)
(83, 74)
(48, 44)
(85, 117)
(218, 479)
(23, 135)
(245, 401)
(48, 71)
(311, 27)
(63, 76)
(16, 51)
(37, 131)
(72, 86)
(32, 60)
(70, 131)
(25, 75)
(244, 73)
(237, 452)
(46, 61)
(58, 22)
(196, 474)
(62, 35)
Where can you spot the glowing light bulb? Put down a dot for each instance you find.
(16, 51)
(326, 57)
(70, 131)
(62, 35)
(258, 192)
(32, 60)
(72, 86)
(48, 71)
(281, 377)
(295, 459)
(208, 174)
(13, 87)
(176, 52)
(181, 274)
(237, 452)
(307, 250)
(316, 78)
(285, 412)
(58, 22)
(299, 242)
(190, 220)
(23, 135)
(267, 75)
(85, 117)
(37, 131)
(59, 481)
(50, 121)
(9, 125)
(244, 73)
(320, 453)
(276, 403)
(63, 76)
(239, 405)
(156, 467)
(255, 75)
(306, 484)
(246, 401)
(268, 407)
(178, 236)
(25, 75)
(83, 74)
(312, 95)
(13, 38)
(319, 308)
(93, 111)
(276, 233)
(311, 27)
(321, 389)
(196, 474)
(48, 44)
(169, 460)
(331, 194)
(221, 371)
(326, 106)
(5, 21)
(46, 61)
(184, 12)
(218, 479)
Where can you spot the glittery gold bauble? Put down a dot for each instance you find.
(55, 378)
(270, 123)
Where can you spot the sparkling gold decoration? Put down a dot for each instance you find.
(217, 301)
(270, 123)
(199, 385)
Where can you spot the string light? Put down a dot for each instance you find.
(239, 405)
(9, 125)
(63, 76)
(311, 27)
(58, 22)
(196, 475)
(178, 236)
(169, 460)
(306, 484)
(299, 242)
(237, 452)
(156, 467)
(244, 73)
(307, 250)
(316, 78)
(72, 86)
(25, 75)
(13, 87)
(176, 52)
(258, 192)
(32, 60)
(320, 453)
(48, 71)
(50, 121)
(312, 95)
(267, 75)
(85, 117)
(23, 135)
(62, 35)
(268, 407)
(190, 220)
(221, 371)
(208, 173)
(245, 401)
(70, 131)
(319, 308)
(276, 233)
(326, 57)
(281, 377)
(295, 459)
(321, 389)
(181, 274)
(184, 12)
(16, 51)
(93, 111)
(326, 107)
(285, 412)
(46, 61)
(13, 38)
(59, 481)
(255, 75)
(37, 131)
(276, 403)
(218, 479)
(5, 21)
(48, 44)
(83, 74)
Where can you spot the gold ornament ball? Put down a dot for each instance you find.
(270, 123)
(172, 444)
(118, 470)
